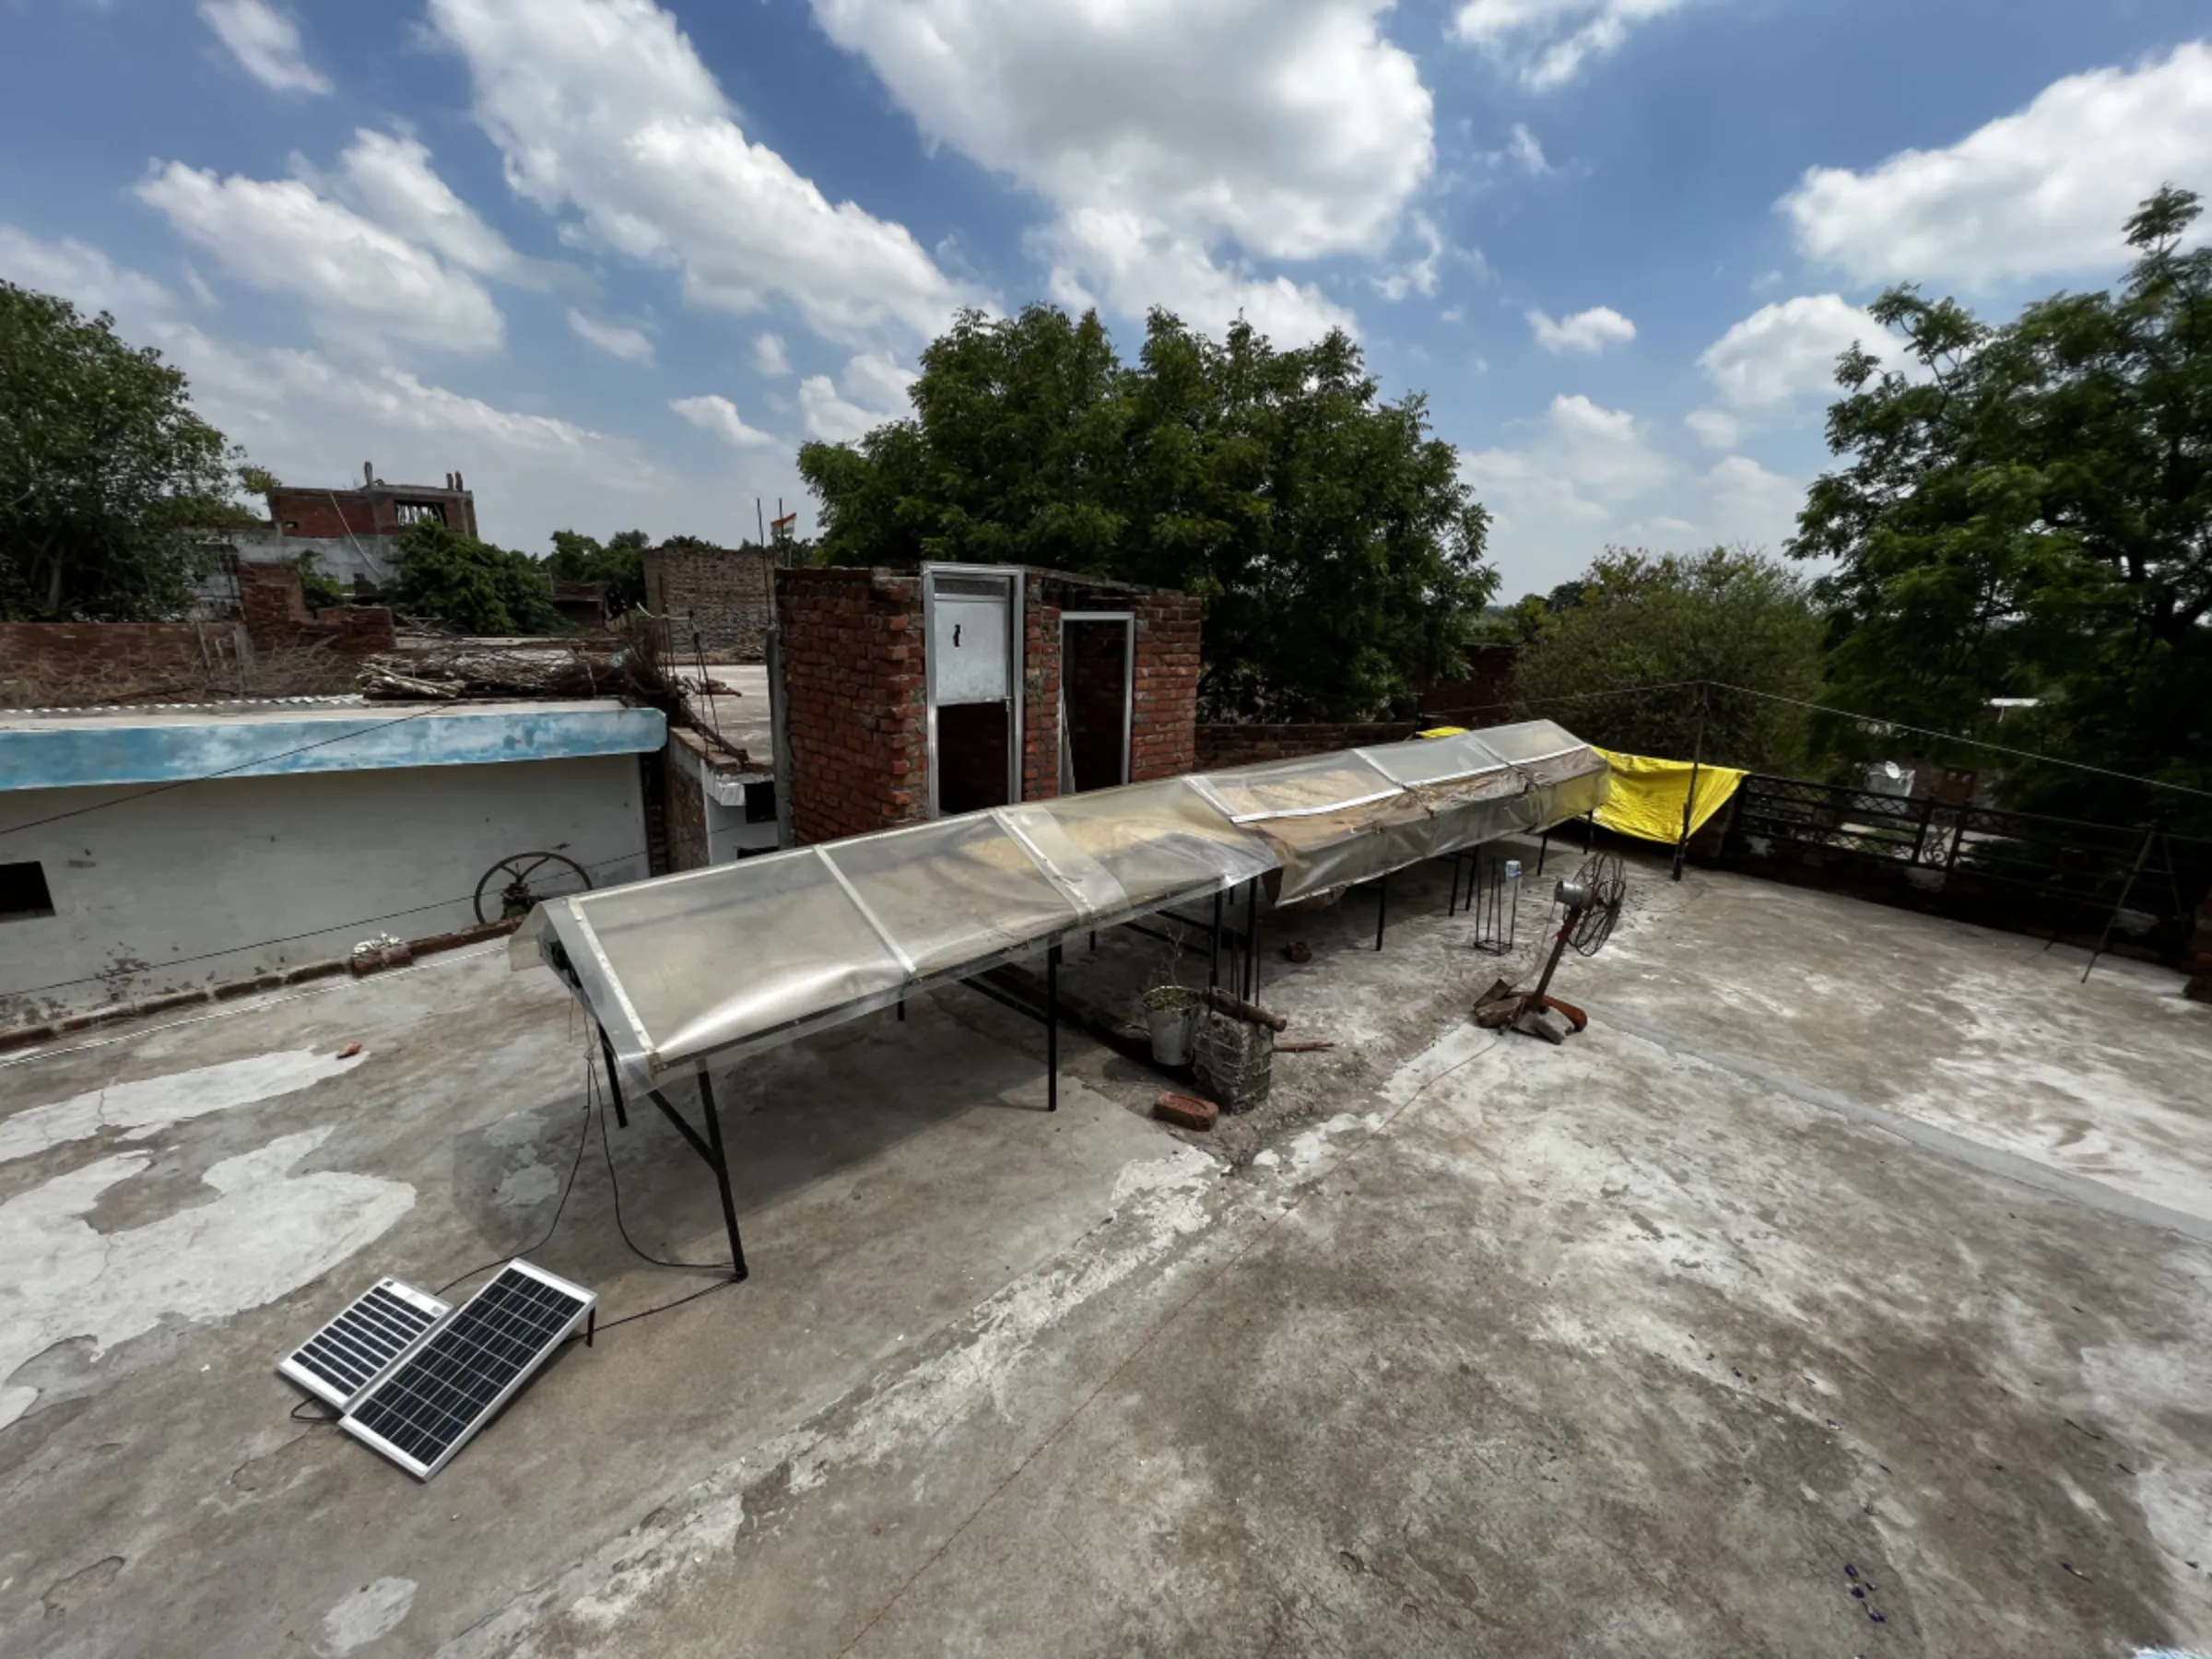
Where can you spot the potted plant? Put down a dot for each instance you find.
(1170, 1010)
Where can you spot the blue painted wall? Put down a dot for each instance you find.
(57, 755)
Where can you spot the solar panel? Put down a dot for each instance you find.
(425, 1409)
(338, 1360)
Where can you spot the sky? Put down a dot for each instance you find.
(614, 260)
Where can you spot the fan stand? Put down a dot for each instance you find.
(1592, 898)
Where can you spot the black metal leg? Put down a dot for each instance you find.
(1590, 830)
(721, 1163)
(1213, 964)
(1543, 846)
(614, 1080)
(1381, 906)
(1052, 1029)
(902, 1010)
(1250, 941)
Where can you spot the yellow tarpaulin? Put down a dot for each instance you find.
(1648, 793)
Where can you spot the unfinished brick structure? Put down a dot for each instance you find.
(374, 509)
(853, 696)
(274, 609)
(721, 593)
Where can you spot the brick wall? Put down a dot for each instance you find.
(721, 592)
(852, 700)
(855, 706)
(1164, 717)
(1483, 697)
(1239, 745)
(336, 512)
(1042, 600)
(1164, 735)
(150, 648)
(275, 612)
(685, 808)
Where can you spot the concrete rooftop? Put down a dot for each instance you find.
(1848, 1250)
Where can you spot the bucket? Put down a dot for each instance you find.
(1169, 1011)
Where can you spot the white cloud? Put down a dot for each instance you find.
(391, 181)
(875, 393)
(1175, 141)
(1591, 331)
(359, 280)
(1715, 428)
(1783, 352)
(1568, 489)
(2039, 192)
(1582, 456)
(1549, 43)
(770, 358)
(264, 38)
(1419, 275)
(603, 108)
(631, 345)
(719, 416)
(830, 417)
(1745, 502)
(1137, 264)
(875, 378)
(1525, 149)
(311, 421)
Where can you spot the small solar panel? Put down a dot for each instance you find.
(340, 1360)
(424, 1408)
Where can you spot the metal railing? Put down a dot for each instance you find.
(2020, 871)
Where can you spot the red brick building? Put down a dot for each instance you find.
(374, 509)
(907, 695)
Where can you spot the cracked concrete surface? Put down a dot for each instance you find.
(1847, 1252)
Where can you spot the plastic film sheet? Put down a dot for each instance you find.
(1458, 792)
(713, 963)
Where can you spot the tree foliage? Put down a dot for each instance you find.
(2026, 511)
(109, 482)
(620, 562)
(1633, 620)
(1337, 549)
(470, 586)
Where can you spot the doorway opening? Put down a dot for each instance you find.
(973, 627)
(1098, 698)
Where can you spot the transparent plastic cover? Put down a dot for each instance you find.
(714, 962)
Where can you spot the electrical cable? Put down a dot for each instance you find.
(1898, 725)
(591, 1067)
(584, 1139)
(242, 766)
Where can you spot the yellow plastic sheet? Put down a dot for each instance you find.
(1647, 796)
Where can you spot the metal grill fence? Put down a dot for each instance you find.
(2017, 871)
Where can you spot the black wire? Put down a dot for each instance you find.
(584, 1139)
(331, 1421)
(591, 1067)
(226, 772)
(721, 1284)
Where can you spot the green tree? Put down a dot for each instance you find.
(109, 482)
(470, 586)
(1337, 549)
(1726, 616)
(318, 586)
(620, 562)
(2026, 511)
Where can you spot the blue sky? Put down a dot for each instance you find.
(615, 260)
